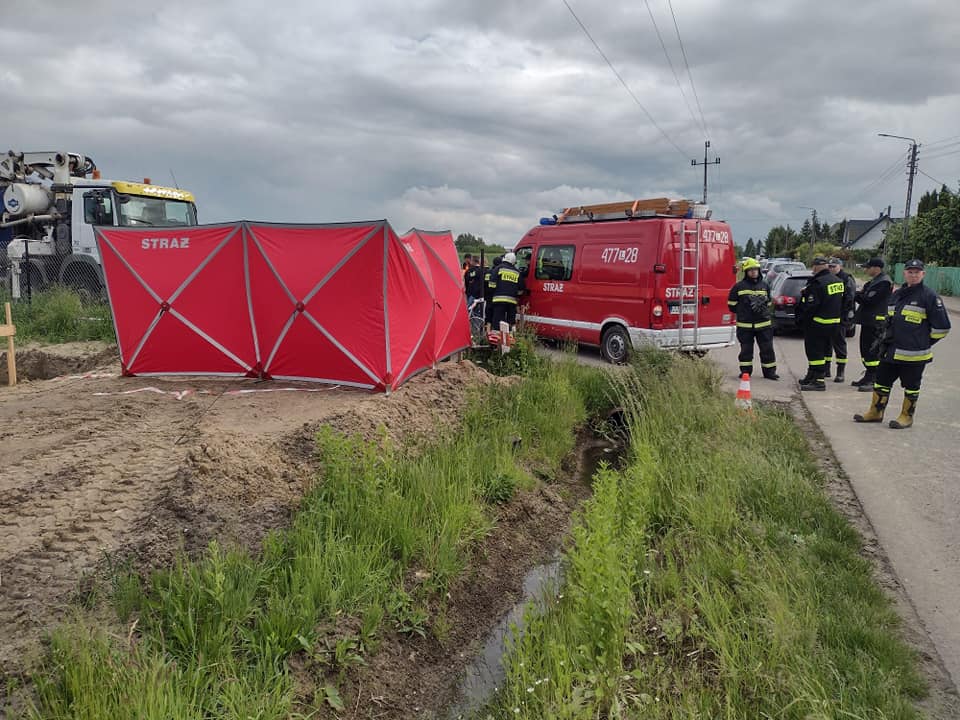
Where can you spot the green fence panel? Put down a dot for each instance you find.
(944, 280)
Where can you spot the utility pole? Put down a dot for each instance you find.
(716, 161)
(911, 173)
(813, 227)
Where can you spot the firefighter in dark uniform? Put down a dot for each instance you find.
(838, 343)
(916, 320)
(506, 287)
(750, 300)
(473, 283)
(872, 302)
(488, 288)
(821, 303)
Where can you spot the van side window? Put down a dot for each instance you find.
(97, 208)
(555, 262)
(523, 258)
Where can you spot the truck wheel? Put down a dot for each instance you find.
(615, 345)
(84, 282)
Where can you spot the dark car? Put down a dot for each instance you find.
(785, 291)
(778, 268)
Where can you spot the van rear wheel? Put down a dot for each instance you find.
(615, 345)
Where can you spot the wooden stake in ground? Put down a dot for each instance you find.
(8, 331)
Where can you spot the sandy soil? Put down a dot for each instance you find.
(96, 468)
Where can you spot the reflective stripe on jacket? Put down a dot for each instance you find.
(750, 314)
(506, 283)
(873, 299)
(916, 320)
(821, 301)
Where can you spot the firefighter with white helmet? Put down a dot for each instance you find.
(507, 285)
(750, 300)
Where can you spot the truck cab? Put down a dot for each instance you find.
(51, 207)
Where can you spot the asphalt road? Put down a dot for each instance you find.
(908, 481)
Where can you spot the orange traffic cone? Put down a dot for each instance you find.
(743, 401)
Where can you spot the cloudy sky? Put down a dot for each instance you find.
(482, 117)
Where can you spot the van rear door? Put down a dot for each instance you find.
(717, 273)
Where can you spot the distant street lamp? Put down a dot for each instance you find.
(912, 170)
(813, 227)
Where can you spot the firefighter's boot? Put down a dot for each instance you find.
(826, 369)
(905, 419)
(875, 413)
(840, 371)
(865, 384)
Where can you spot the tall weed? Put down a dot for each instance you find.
(710, 578)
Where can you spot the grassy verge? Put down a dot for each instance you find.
(61, 315)
(212, 638)
(711, 578)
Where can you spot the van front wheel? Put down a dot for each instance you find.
(615, 345)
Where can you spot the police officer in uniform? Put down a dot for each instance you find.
(821, 304)
(872, 302)
(507, 285)
(916, 320)
(750, 300)
(838, 343)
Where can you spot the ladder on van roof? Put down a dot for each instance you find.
(688, 329)
(653, 207)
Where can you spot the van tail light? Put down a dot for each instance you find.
(782, 300)
(659, 268)
(656, 310)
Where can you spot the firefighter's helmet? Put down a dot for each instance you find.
(749, 264)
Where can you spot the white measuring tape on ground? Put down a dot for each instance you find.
(181, 394)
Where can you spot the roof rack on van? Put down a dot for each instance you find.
(653, 207)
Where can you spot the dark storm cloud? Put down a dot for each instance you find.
(480, 117)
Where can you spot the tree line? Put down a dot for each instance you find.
(933, 236)
(473, 244)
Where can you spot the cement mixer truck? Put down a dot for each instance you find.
(52, 200)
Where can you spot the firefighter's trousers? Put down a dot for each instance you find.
(910, 375)
(838, 345)
(868, 353)
(817, 344)
(764, 340)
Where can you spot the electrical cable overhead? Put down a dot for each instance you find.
(623, 82)
(673, 70)
(931, 177)
(687, 65)
(877, 182)
(941, 155)
(955, 139)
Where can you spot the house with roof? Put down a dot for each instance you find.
(866, 234)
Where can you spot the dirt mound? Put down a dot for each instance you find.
(100, 466)
(45, 362)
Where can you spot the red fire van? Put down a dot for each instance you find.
(622, 278)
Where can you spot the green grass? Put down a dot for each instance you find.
(213, 636)
(711, 578)
(61, 315)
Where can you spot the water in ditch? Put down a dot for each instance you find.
(486, 674)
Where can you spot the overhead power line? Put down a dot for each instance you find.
(931, 177)
(623, 82)
(672, 69)
(877, 182)
(941, 155)
(955, 139)
(687, 65)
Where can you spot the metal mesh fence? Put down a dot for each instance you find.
(944, 280)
